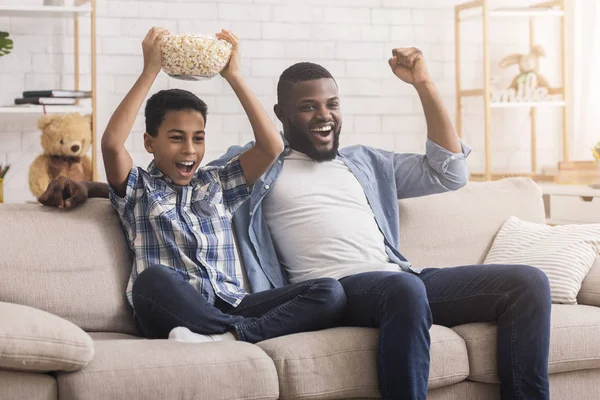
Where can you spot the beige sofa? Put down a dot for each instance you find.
(74, 266)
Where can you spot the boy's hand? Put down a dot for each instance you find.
(408, 65)
(233, 68)
(151, 49)
(63, 192)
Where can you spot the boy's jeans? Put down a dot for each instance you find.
(163, 300)
(404, 306)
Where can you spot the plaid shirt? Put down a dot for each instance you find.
(187, 228)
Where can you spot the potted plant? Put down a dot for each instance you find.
(6, 44)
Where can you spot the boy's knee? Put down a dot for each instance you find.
(151, 277)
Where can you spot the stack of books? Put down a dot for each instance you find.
(579, 172)
(53, 97)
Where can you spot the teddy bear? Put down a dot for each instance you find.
(528, 64)
(65, 139)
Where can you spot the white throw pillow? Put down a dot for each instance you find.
(565, 253)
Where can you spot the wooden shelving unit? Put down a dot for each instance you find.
(83, 9)
(480, 9)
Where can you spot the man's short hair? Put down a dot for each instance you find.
(164, 101)
(299, 72)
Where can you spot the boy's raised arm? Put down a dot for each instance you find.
(256, 160)
(117, 161)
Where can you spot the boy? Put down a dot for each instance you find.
(177, 218)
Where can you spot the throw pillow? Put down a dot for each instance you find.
(565, 253)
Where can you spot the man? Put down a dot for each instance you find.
(324, 212)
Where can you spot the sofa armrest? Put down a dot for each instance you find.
(589, 294)
(35, 340)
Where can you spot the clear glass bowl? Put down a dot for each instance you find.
(194, 57)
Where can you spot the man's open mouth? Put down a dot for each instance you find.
(323, 134)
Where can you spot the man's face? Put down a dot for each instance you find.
(311, 118)
(179, 146)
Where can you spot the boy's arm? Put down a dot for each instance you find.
(117, 161)
(269, 145)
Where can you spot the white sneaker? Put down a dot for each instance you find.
(183, 334)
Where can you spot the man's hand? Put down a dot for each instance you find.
(151, 49)
(232, 70)
(64, 193)
(408, 65)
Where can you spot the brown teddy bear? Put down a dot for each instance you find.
(66, 138)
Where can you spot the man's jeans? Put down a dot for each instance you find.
(163, 300)
(404, 306)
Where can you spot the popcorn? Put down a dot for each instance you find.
(193, 57)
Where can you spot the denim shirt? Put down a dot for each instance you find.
(384, 176)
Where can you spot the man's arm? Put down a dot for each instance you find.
(269, 145)
(409, 66)
(63, 192)
(117, 161)
(443, 167)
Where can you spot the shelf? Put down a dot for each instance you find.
(519, 104)
(514, 12)
(538, 177)
(44, 11)
(35, 109)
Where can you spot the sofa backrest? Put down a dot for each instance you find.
(458, 228)
(75, 266)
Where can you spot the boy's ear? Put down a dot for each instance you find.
(149, 142)
(279, 112)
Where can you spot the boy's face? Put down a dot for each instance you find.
(311, 118)
(179, 146)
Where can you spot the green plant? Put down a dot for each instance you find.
(6, 44)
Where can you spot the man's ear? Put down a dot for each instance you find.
(279, 112)
(149, 142)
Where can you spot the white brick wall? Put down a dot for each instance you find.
(352, 38)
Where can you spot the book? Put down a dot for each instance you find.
(578, 172)
(46, 101)
(58, 93)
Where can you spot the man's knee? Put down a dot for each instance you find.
(406, 290)
(332, 294)
(530, 281)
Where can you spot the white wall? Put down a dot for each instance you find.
(352, 38)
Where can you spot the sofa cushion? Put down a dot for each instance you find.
(71, 263)
(565, 253)
(341, 362)
(470, 217)
(34, 340)
(27, 385)
(140, 369)
(589, 294)
(574, 343)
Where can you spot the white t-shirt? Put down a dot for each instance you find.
(321, 223)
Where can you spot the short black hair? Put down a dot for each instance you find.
(299, 72)
(164, 101)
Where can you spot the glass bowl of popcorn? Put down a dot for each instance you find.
(194, 57)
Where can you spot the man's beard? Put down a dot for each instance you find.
(300, 141)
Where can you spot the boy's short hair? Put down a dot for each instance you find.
(299, 72)
(164, 101)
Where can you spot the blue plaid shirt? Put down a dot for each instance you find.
(187, 228)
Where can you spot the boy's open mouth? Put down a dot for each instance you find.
(185, 167)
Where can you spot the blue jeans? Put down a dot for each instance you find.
(163, 300)
(404, 306)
